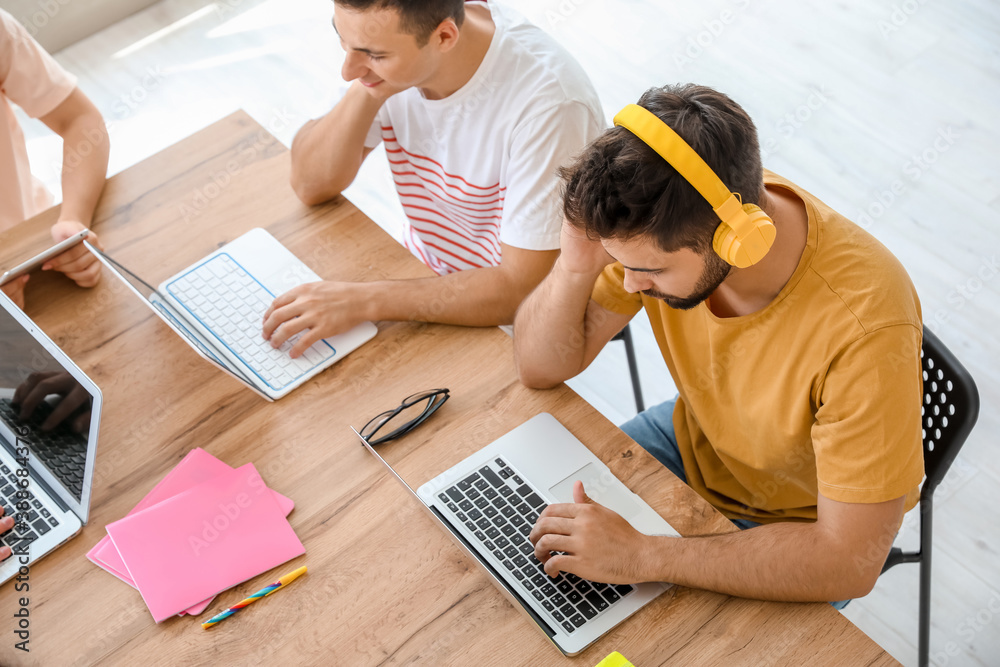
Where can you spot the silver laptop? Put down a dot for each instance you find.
(217, 306)
(50, 413)
(489, 502)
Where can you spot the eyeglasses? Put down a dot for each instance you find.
(412, 412)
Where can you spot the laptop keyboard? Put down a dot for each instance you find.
(231, 304)
(62, 450)
(35, 522)
(500, 509)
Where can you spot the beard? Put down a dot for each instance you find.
(716, 271)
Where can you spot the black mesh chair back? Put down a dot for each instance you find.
(950, 409)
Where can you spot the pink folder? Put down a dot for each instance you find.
(196, 467)
(203, 541)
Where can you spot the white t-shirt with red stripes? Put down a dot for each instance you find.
(478, 168)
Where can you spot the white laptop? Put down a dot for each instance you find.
(217, 306)
(489, 502)
(46, 456)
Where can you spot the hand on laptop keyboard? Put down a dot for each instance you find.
(590, 541)
(6, 523)
(317, 311)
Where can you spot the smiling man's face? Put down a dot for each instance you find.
(379, 52)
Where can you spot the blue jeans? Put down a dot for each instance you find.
(654, 430)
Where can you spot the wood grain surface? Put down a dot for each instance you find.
(385, 584)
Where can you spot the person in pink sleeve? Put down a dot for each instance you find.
(33, 80)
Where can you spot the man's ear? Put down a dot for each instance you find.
(445, 36)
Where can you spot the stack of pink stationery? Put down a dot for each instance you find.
(204, 528)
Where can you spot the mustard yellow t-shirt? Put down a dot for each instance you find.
(819, 392)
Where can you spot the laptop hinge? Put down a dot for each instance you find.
(37, 479)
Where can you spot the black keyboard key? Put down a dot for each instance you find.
(8, 491)
(455, 494)
(505, 491)
(473, 494)
(32, 515)
(517, 520)
(41, 527)
(461, 517)
(588, 611)
(499, 503)
(584, 587)
(558, 600)
(564, 586)
(567, 609)
(523, 509)
(526, 548)
(567, 626)
(549, 590)
(498, 554)
(507, 511)
(528, 585)
(519, 560)
(611, 596)
(465, 505)
(490, 511)
(499, 521)
(518, 574)
(507, 564)
(466, 483)
(475, 514)
(546, 604)
(525, 529)
(444, 498)
(523, 490)
(573, 578)
(500, 463)
(482, 503)
(5, 469)
(453, 507)
(529, 571)
(538, 595)
(491, 546)
(531, 518)
(45, 513)
(599, 603)
(577, 620)
(558, 616)
(481, 484)
(539, 579)
(505, 473)
(491, 476)
(471, 526)
(480, 536)
(534, 500)
(490, 493)
(53, 522)
(484, 524)
(623, 589)
(517, 539)
(492, 532)
(508, 530)
(574, 597)
(598, 586)
(502, 542)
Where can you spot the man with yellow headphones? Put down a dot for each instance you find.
(793, 337)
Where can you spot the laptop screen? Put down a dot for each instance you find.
(48, 406)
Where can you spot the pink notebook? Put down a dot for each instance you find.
(196, 467)
(203, 541)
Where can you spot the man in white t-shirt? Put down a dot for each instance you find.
(477, 110)
(32, 79)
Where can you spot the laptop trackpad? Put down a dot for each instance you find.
(602, 487)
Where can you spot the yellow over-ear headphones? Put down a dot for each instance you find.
(746, 232)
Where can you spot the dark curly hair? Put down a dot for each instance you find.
(620, 188)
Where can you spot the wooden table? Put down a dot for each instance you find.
(385, 584)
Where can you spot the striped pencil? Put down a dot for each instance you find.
(264, 592)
